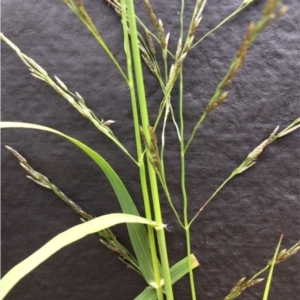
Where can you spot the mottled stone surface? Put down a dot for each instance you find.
(235, 236)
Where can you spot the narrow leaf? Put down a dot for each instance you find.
(64, 239)
(177, 271)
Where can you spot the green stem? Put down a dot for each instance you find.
(211, 197)
(195, 130)
(183, 177)
(142, 169)
(153, 35)
(240, 8)
(165, 187)
(92, 28)
(183, 188)
(191, 274)
(260, 272)
(145, 123)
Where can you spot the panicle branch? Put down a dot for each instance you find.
(110, 240)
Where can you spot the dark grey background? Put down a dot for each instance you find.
(237, 233)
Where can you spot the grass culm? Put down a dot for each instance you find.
(150, 51)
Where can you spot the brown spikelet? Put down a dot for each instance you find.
(151, 14)
(273, 17)
(150, 42)
(240, 56)
(241, 53)
(161, 34)
(270, 7)
(17, 155)
(216, 103)
(179, 48)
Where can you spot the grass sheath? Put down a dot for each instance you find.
(152, 46)
(145, 123)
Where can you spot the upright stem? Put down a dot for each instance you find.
(142, 169)
(145, 123)
(182, 156)
(240, 8)
(183, 188)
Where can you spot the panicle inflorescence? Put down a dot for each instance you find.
(110, 241)
(243, 284)
(286, 254)
(152, 150)
(43, 181)
(150, 42)
(151, 14)
(270, 13)
(240, 286)
(75, 99)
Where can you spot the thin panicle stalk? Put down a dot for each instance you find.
(268, 16)
(74, 99)
(243, 284)
(140, 155)
(110, 241)
(181, 56)
(153, 267)
(251, 159)
(145, 124)
(238, 10)
(182, 159)
(183, 188)
(79, 10)
(117, 7)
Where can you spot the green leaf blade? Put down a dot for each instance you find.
(177, 271)
(137, 233)
(60, 241)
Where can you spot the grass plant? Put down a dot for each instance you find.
(147, 231)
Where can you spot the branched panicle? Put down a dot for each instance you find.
(116, 5)
(144, 53)
(151, 14)
(147, 60)
(43, 181)
(158, 24)
(78, 8)
(269, 15)
(196, 20)
(146, 48)
(286, 254)
(75, 100)
(216, 103)
(240, 286)
(152, 150)
(293, 126)
(110, 241)
(161, 33)
(243, 284)
(251, 159)
(150, 42)
(181, 54)
(253, 155)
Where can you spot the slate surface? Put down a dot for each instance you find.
(237, 233)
